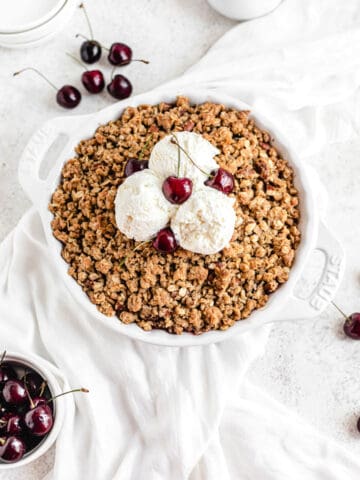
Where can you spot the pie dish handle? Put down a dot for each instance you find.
(330, 277)
(35, 154)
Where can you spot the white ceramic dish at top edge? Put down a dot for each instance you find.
(18, 18)
(39, 365)
(34, 36)
(282, 304)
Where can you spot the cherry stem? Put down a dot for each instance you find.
(86, 38)
(140, 245)
(27, 391)
(87, 20)
(77, 60)
(146, 144)
(339, 310)
(140, 60)
(2, 357)
(83, 390)
(178, 166)
(42, 389)
(38, 72)
(2, 441)
(175, 140)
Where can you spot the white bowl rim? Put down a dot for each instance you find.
(84, 127)
(43, 367)
(50, 14)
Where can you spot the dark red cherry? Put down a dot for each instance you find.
(11, 423)
(352, 326)
(165, 241)
(120, 87)
(93, 81)
(120, 54)
(39, 420)
(68, 96)
(90, 51)
(6, 373)
(177, 190)
(14, 392)
(222, 180)
(34, 382)
(134, 165)
(12, 450)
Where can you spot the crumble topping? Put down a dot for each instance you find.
(182, 291)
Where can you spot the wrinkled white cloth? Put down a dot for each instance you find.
(159, 413)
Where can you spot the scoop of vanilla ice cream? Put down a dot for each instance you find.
(164, 157)
(141, 209)
(205, 223)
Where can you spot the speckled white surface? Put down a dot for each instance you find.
(309, 366)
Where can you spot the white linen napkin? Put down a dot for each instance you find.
(159, 413)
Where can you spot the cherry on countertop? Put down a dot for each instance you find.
(120, 87)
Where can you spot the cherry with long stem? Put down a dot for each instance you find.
(67, 96)
(120, 55)
(352, 323)
(177, 189)
(90, 50)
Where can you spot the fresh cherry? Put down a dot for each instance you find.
(11, 423)
(352, 323)
(177, 190)
(12, 449)
(6, 373)
(3, 410)
(165, 241)
(119, 87)
(67, 96)
(90, 50)
(93, 81)
(352, 326)
(221, 180)
(33, 382)
(135, 165)
(120, 54)
(39, 420)
(14, 392)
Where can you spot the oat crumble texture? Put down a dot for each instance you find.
(183, 291)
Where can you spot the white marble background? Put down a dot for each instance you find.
(310, 366)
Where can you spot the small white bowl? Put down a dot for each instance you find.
(42, 367)
(34, 32)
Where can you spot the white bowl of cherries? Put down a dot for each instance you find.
(31, 409)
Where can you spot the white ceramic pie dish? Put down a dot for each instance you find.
(45, 370)
(282, 305)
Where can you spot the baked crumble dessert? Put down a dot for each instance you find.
(182, 291)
